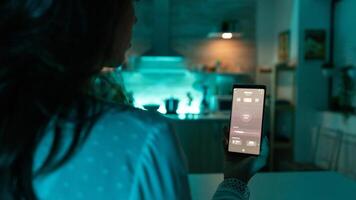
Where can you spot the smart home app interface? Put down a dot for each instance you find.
(246, 120)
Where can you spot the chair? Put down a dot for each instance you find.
(346, 159)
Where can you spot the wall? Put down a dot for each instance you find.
(235, 56)
(265, 33)
(312, 86)
(345, 40)
(191, 21)
(273, 17)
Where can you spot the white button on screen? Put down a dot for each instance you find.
(248, 93)
(239, 132)
(251, 143)
(247, 100)
(237, 142)
(246, 118)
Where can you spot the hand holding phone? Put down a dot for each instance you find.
(244, 167)
(246, 119)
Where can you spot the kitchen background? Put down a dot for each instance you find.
(180, 61)
(173, 38)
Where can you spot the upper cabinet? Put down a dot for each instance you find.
(180, 28)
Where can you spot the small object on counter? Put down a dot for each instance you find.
(204, 105)
(171, 105)
(190, 98)
(151, 107)
(209, 68)
(218, 66)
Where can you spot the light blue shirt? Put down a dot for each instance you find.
(130, 154)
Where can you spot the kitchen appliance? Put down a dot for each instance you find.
(223, 103)
(171, 105)
(161, 57)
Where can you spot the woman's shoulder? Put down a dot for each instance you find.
(117, 143)
(128, 117)
(129, 111)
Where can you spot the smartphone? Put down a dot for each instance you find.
(246, 120)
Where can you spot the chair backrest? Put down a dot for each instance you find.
(327, 148)
(347, 159)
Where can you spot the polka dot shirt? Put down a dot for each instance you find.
(129, 154)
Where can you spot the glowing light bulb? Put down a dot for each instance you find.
(226, 36)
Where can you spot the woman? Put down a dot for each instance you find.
(58, 140)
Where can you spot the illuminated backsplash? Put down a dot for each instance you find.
(152, 80)
(154, 88)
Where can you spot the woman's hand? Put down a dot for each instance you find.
(241, 166)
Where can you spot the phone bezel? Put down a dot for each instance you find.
(239, 86)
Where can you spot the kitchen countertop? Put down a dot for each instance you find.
(210, 116)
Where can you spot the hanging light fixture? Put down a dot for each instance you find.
(227, 31)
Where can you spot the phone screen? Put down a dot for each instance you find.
(246, 120)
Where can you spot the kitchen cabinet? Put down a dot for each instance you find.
(202, 142)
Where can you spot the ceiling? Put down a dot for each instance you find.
(195, 18)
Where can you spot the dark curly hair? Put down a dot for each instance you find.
(50, 52)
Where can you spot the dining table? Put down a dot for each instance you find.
(311, 185)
